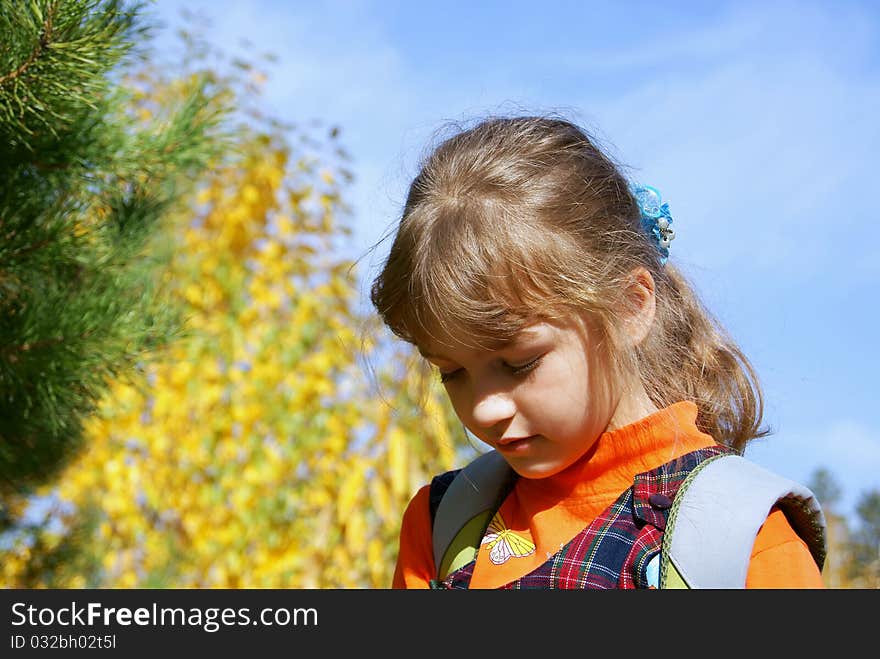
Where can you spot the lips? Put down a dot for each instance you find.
(510, 440)
(515, 444)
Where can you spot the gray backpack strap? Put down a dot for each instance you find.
(466, 509)
(718, 511)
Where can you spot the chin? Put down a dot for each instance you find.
(535, 471)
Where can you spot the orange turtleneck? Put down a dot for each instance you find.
(551, 511)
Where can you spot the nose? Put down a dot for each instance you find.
(491, 408)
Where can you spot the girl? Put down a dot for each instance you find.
(533, 276)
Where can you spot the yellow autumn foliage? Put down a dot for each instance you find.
(256, 450)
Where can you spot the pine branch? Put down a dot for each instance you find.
(56, 59)
(44, 41)
(84, 187)
(9, 351)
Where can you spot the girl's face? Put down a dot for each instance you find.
(542, 401)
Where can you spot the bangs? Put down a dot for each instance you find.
(476, 277)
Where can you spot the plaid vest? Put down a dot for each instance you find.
(613, 551)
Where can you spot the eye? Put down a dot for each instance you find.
(525, 368)
(446, 377)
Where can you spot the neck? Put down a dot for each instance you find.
(611, 463)
(634, 404)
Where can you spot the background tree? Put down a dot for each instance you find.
(853, 545)
(84, 185)
(829, 492)
(276, 442)
(826, 488)
(864, 567)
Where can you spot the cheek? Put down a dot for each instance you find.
(566, 398)
(566, 382)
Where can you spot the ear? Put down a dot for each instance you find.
(641, 306)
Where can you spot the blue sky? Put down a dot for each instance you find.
(757, 121)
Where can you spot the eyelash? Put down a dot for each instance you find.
(516, 370)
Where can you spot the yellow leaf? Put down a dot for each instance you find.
(397, 461)
(250, 194)
(349, 492)
(355, 534)
(380, 498)
(376, 562)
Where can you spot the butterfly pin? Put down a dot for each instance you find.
(504, 544)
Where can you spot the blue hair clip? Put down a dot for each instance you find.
(656, 219)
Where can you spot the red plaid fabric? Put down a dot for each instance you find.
(614, 550)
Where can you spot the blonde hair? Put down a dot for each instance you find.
(525, 218)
